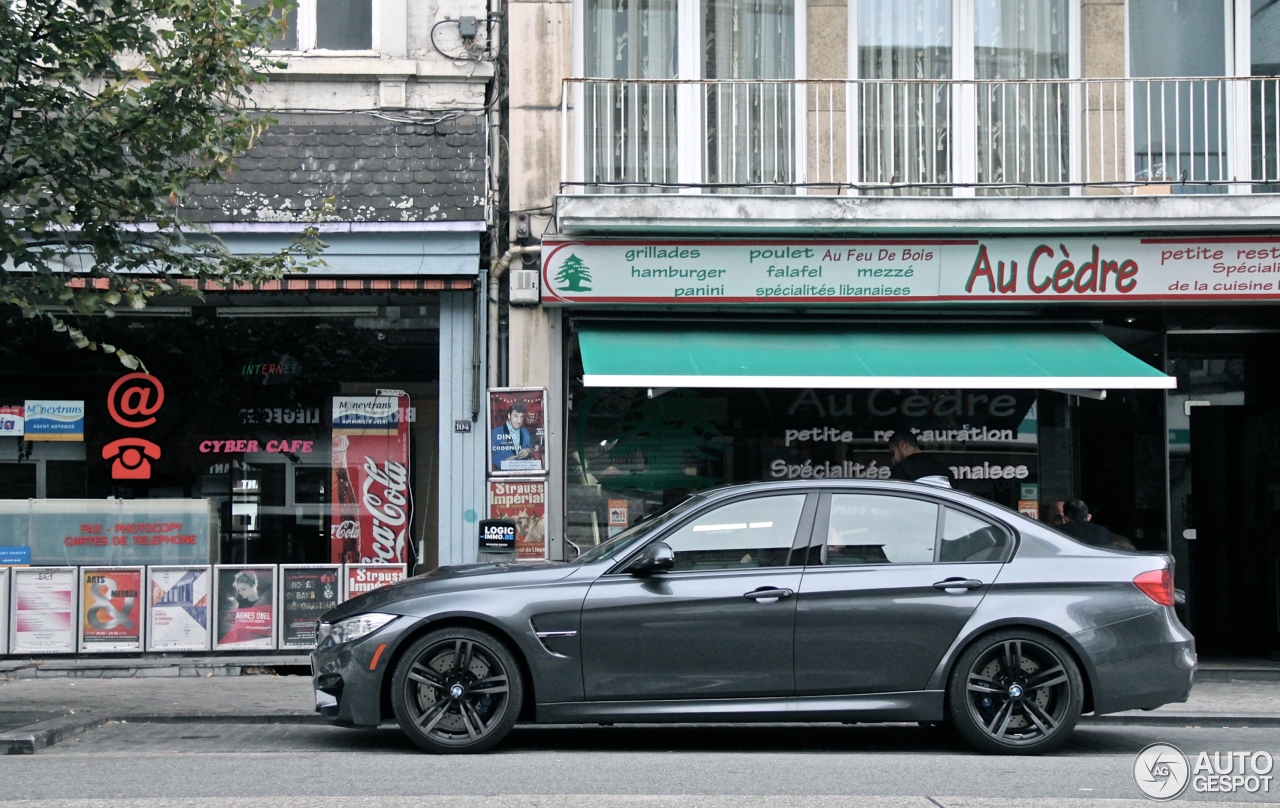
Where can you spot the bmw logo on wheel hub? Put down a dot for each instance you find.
(1015, 691)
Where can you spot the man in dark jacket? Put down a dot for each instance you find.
(1080, 525)
(910, 462)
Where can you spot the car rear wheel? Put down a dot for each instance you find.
(457, 690)
(1015, 692)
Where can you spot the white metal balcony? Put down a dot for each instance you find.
(940, 138)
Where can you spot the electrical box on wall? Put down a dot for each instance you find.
(524, 290)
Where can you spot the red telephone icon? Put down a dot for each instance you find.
(130, 458)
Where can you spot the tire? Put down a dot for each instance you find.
(1027, 712)
(451, 708)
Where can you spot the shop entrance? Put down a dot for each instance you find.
(1232, 530)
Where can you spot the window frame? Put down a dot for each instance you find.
(817, 552)
(799, 542)
(308, 24)
(690, 67)
(964, 155)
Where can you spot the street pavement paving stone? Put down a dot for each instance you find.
(270, 695)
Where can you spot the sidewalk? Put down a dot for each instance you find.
(287, 699)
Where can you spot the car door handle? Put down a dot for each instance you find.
(768, 593)
(958, 583)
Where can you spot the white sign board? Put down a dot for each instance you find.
(44, 610)
(178, 611)
(985, 270)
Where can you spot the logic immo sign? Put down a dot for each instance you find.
(1013, 269)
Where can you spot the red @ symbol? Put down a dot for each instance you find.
(132, 395)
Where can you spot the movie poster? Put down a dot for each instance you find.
(525, 503)
(4, 610)
(306, 593)
(517, 430)
(178, 608)
(246, 607)
(44, 606)
(361, 578)
(371, 506)
(110, 609)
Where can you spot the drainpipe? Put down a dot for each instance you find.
(497, 269)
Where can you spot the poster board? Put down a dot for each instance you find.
(360, 578)
(110, 609)
(371, 504)
(4, 610)
(178, 613)
(245, 599)
(44, 610)
(517, 431)
(306, 592)
(525, 503)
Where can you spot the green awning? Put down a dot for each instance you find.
(826, 356)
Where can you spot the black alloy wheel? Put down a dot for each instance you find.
(457, 690)
(1016, 692)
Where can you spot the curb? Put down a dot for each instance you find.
(32, 738)
(1211, 721)
(222, 718)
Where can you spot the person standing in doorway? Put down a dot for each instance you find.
(1079, 525)
(910, 462)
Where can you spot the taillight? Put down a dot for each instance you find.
(1157, 585)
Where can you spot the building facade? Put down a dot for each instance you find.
(325, 418)
(1039, 234)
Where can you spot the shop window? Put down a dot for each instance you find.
(65, 479)
(874, 529)
(323, 25)
(18, 480)
(967, 538)
(750, 533)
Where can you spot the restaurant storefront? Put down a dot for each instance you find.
(1037, 370)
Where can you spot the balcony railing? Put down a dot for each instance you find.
(957, 138)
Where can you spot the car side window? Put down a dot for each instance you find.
(749, 533)
(878, 529)
(968, 538)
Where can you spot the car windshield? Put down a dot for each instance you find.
(606, 549)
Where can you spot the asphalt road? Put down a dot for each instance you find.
(226, 765)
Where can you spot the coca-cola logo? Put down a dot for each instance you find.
(385, 498)
(348, 529)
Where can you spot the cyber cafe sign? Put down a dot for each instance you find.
(951, 270)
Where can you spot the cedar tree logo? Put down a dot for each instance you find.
(573, 275)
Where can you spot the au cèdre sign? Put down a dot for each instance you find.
(949, 270)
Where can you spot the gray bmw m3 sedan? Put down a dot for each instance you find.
(854, 601)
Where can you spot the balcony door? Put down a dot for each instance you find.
(1179, 53)
(735, 129)
(957, 93)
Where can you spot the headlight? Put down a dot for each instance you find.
(353, 628)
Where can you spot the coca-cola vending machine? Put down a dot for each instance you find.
(371, 504)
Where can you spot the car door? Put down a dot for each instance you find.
(875, 613)
(720, 624)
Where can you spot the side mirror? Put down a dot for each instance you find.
(655, 558)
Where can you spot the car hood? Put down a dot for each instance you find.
(488, 575)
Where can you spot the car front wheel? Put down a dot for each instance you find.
(457, 690)
(1015, 692)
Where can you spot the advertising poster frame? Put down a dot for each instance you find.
(205, 644)
(534, 402)
(348, 569)
(370, 465)
(4, 611)
(282, 613)
(73, 608)
(529, 516)
(133, 643)
(267, 643)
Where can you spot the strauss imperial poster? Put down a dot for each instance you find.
(372, 508)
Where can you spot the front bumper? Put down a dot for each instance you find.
(348, 679)
(1141, 663)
